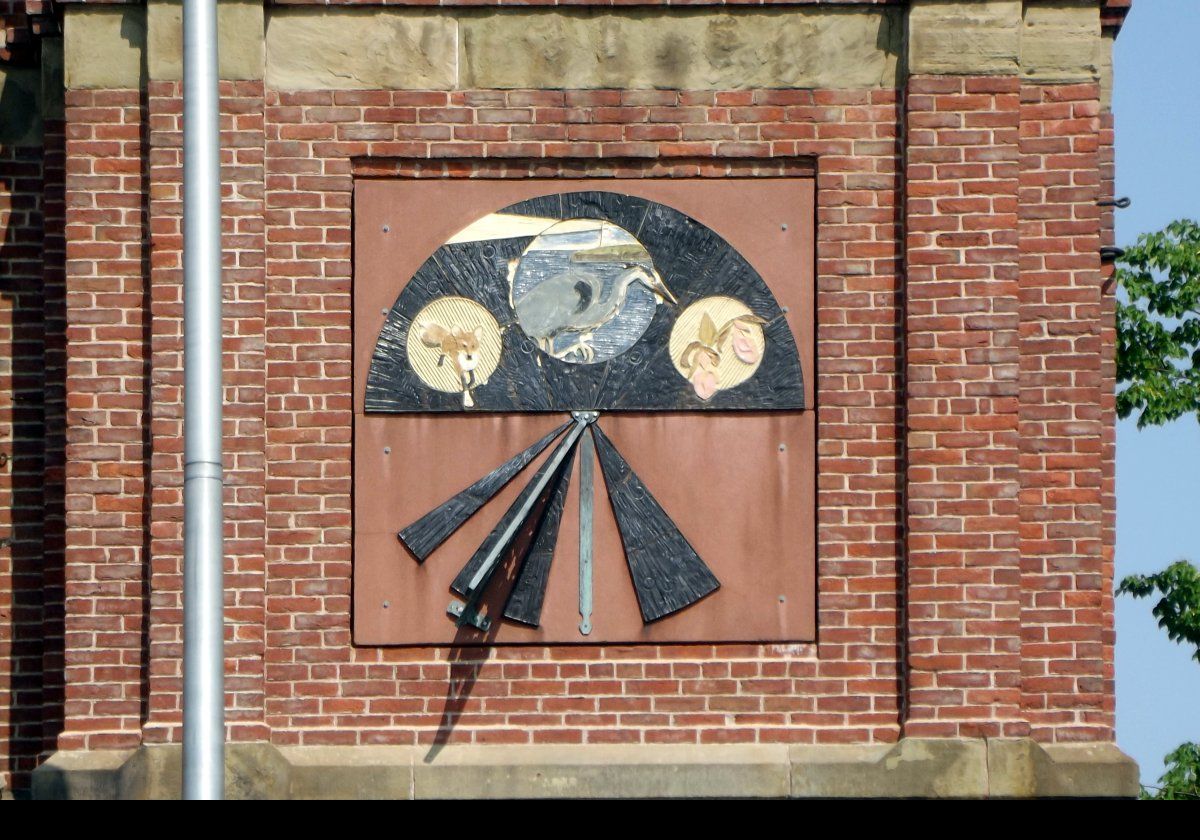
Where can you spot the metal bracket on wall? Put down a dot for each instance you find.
(1109, 254)
(470, 616)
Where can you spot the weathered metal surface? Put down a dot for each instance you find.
(514, 528)
(525, 599)
(431, 530)
(754, 486)
(692, 261)
(587, 461)
(667, 573)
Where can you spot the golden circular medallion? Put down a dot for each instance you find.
(454, 345)
(717, 343)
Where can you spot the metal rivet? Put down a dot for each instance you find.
(387, 450)
(783, 447)
(387, 604)
(387, 228)
(783, 226)
(782, 599)
(383, 312)
(785, 310)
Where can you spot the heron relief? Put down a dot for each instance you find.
(585, 290)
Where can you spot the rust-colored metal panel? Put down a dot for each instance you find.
(739, 485)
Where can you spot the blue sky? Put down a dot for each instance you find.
(1157, 109)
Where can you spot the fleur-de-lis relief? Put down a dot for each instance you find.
(702, 356)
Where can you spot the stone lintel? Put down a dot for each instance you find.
(390, 47)
(241, 26)
(799, 47)
(638, 48)
(929, 768)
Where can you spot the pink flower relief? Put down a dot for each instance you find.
(743, 346)
(705, 383)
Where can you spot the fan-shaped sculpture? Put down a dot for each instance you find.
(586, 288)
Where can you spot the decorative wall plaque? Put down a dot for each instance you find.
(587, 306)
(582, 302)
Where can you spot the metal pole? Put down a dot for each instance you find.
(203, 557)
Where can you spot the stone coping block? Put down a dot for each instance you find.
(1060, 41)
(241, 26)
(967, 36)
(316, 47)
(913, 767)
(104, 46)
(309, 48)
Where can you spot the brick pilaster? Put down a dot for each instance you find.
(963, 574)
(1065, 585)
(1108, 416)
(106, 409)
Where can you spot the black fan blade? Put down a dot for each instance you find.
(431, 530)
(517, 524)
(667, 573)
(525, 600)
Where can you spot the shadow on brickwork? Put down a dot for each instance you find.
(22, 455)
(147, 405)
(472, 650)
(900, 423)
(54, 389)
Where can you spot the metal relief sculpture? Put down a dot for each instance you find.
(582, 303)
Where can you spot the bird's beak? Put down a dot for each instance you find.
(662, 289)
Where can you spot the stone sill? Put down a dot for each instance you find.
(923, 768)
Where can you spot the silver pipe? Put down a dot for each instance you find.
(203, 556)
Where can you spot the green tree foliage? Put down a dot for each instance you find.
(1182, 779)
(1158, 360)
(1158, 329)
(1178, 612)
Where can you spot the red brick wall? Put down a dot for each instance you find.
(22, 334)
(244, 389)
(106, 261)
(983, 386)
(963, 525)
(321, 689)
(1063, 580)
(31, 451)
